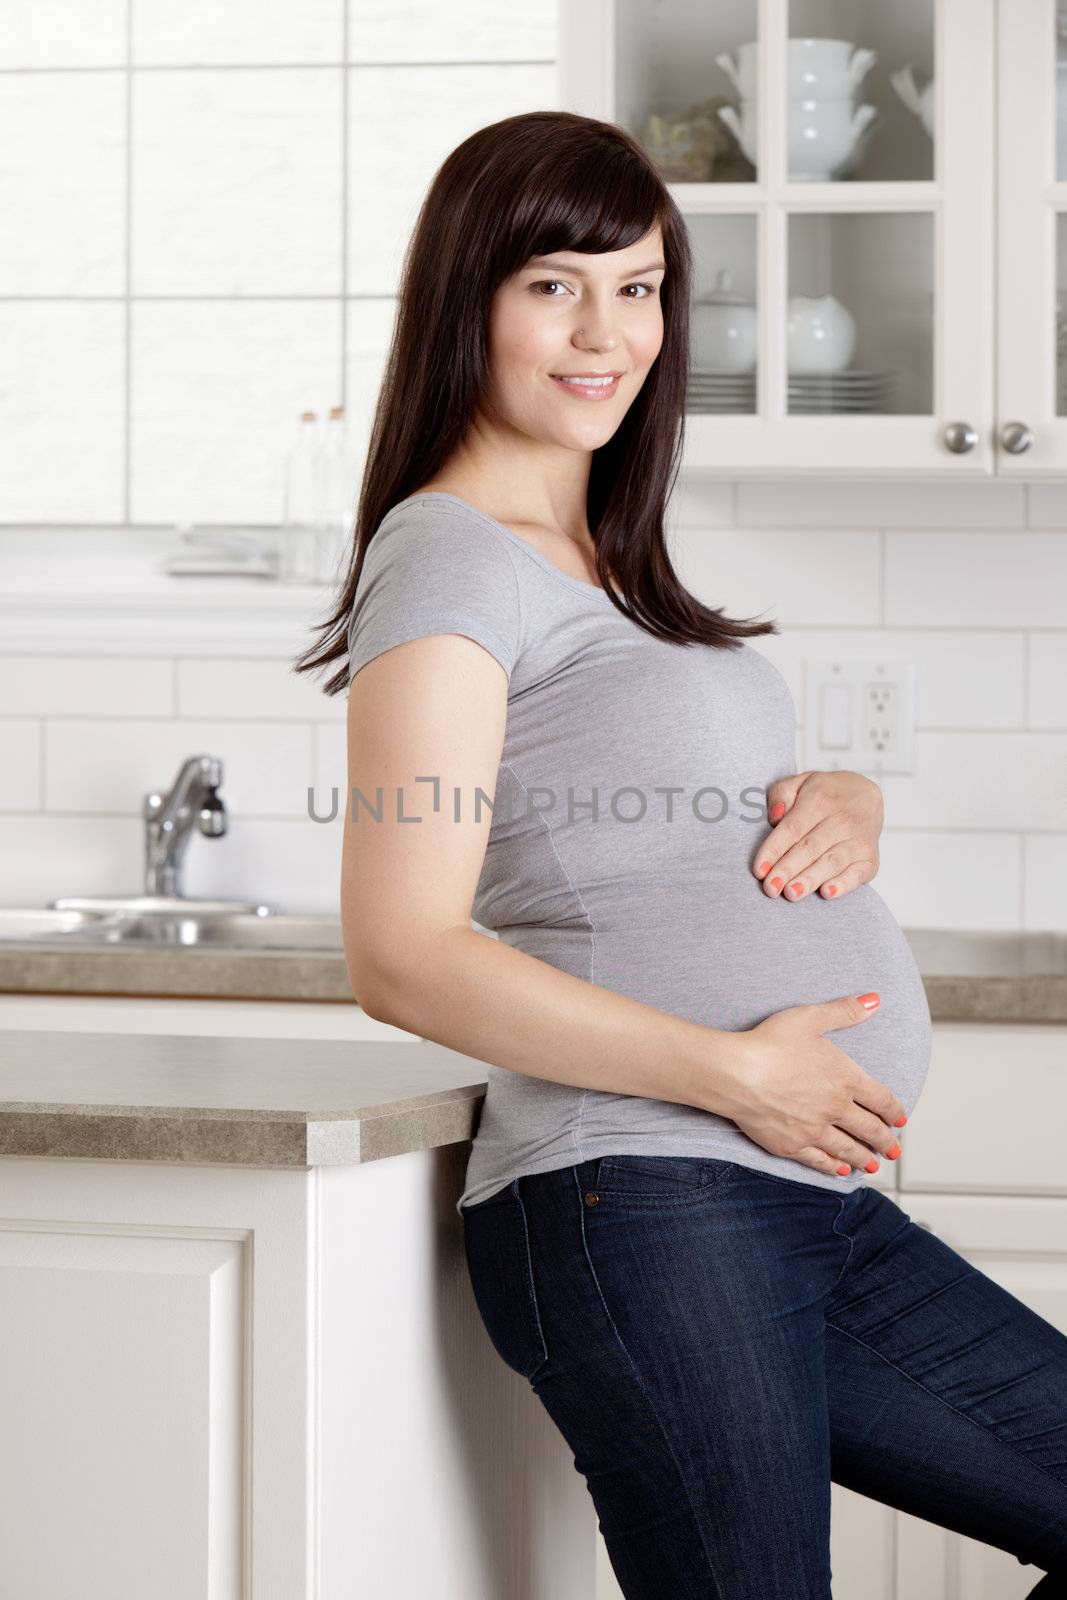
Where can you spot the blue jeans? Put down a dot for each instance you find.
(716, 1344)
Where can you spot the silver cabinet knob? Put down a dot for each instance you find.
(1016, 437)
(960, 437)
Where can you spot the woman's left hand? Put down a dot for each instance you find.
(825, 835)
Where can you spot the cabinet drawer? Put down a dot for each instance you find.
(993, 1113)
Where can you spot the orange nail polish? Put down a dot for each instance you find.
(777, 810)
(872, 1166)
(831, 889)
(893, 1151)
(776, 883)
(899, 1123)
(869, 1000)
(764, 866)
(843, 1172)
(797, 888)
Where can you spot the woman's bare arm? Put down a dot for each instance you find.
(436, 707)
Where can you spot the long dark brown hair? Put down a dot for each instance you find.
(529, 185)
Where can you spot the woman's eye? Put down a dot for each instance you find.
(552, 283)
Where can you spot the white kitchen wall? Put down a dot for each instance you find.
(205, 208)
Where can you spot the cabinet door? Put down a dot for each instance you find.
(1032, 239)
(1022, 1244)
(840, 210)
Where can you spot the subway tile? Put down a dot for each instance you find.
(937, 879)
(784, 576)
(237, 182)
(63, 33)
(217, 388)
(292, 865)
(20, 782)
(971, 680)
(1048, 681)
(44, 857)
(1045, 865)
(423, 30)
(978, 580)
(271, 690)
(109, 766)
(63, 183)
(979, 781)
(402, 121)
(85, 686)
(879, 503)
(61, 411)
(240, 32)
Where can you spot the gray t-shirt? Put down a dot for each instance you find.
(651, 894)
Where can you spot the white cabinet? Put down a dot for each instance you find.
(884, 197)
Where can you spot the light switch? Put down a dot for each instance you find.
(835, 716)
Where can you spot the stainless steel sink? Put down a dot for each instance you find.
(161, 921)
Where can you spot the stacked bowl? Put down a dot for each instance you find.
(825, 124)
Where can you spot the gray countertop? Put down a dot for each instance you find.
(235, 1102)
(988, 977)
(308, 1102)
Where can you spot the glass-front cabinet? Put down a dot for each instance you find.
(835, 162)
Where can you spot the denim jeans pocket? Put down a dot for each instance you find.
(497, 1245)
(661, 1180)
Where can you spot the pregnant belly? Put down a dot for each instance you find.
(727, 955)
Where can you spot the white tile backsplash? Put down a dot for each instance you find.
(63, 183)
(273, 188)
(237, 33)
(236, 185)
(217, 387)
(62, 409)
(402, 122)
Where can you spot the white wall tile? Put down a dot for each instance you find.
(979, 580)
(783, 576)
(228, 687)
(43, 857)
(292, 865)
(104, 766)
(20, 779)
(205, 33)
(62, 392)
(970, 680)
(1014, 781)
(63, 183)
(85, 686)
(424, 30)
(1045, 859)
(939, 879)
(879, 503)
(1048, 681)
(403, 122)
(63, 33)
(217, 389)
(237, 182)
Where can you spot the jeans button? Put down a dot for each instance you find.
(592, 1199)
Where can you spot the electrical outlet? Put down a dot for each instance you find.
(859, 715)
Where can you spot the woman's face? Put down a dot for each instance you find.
(567, 315)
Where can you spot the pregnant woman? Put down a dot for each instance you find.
(692, 1064)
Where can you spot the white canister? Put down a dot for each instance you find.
(724, 329)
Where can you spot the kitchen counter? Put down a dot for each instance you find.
(987, 977)
(240, 1102)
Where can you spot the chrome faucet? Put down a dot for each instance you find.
(193, 800)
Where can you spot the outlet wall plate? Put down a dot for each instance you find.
(859, 715)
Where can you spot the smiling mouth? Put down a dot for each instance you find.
(589, 388)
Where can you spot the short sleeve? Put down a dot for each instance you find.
(430, 571)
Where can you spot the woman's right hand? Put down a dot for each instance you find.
(798, 1095)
